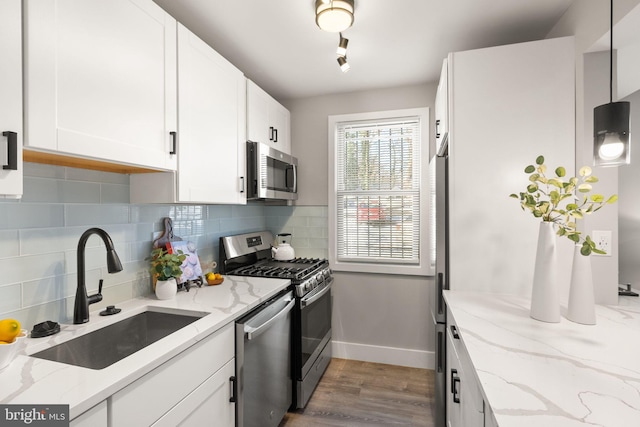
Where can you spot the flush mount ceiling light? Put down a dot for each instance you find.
(611, 124)
(342, 46)
(334, 15)
(344, 65)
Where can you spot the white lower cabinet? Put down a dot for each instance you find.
(94, 417)
(184, 390)
(210, 404)
(465, 403)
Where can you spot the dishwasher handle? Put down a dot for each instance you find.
(251, 332)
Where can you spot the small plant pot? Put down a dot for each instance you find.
(166, 289)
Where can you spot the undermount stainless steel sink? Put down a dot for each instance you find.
(104, 347)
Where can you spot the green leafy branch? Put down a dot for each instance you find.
(544, 197)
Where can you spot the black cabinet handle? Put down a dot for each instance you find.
(454, 374)
(454, 332)
(271, 133)
(233, 398)
(439, 296)
(174, 141)
(437, 130)
(275, 133)
(455, 385)
(12, 150)
(440, 365)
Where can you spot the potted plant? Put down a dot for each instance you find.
(165, 268)
(560, 202)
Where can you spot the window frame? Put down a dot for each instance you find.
(424, 266)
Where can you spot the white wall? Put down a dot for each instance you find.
(629, 206)
(382, 318)
(588, 21)
(309, 129)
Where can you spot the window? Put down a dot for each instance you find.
(378, 198)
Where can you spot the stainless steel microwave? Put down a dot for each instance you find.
(271, 174)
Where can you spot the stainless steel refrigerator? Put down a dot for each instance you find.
(501, 107)
(438, 168)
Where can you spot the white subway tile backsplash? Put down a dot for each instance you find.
(74, 174)
(31, 215)
(39, 234)
(10, 243)
(43, 171)
(32, 267)
(90, 215)
(10, 297)
(150, 213)
(114, 193)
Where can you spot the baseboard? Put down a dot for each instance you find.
(379, 354)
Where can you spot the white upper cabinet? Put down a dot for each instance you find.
(100, 80)
(267, 120)
(442, 108)
(211, 132)
(11, 99)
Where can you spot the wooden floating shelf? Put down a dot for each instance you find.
(80, 163)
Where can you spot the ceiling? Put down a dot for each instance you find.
(391, 43)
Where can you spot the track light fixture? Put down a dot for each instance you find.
(344, 65)
(334, 15)
(611, 136)
(342, 46)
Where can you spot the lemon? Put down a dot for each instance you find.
(211, 276)
(9, 330)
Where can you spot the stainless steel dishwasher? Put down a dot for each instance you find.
(263, 363)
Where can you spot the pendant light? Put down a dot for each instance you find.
(611, 145)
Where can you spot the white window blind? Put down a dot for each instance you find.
(378, 191)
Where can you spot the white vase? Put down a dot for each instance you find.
(545, 304)
(582, 306)
(166, 289)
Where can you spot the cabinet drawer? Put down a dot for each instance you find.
(147, 399)
(210, 401)
(472, 393)
(94, 417)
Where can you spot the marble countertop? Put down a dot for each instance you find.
(552, 374)
(36, 381)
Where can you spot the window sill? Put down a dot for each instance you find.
(377, 268)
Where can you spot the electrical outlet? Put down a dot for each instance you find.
(602, 240)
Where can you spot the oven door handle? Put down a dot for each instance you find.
(252, 332)
(313, 298)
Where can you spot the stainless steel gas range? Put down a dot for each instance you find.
(311, 280)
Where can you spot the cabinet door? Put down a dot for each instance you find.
(11, 99)
(280, 119)
(465, 404)
(212, 122)
(454, 383)
(100, 80)
(442, 107)
(258, 127)
(209, 404)
(94, 417)
(268, 121)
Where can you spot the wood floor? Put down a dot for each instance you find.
(354, 393)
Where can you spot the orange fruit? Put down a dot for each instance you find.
(9, 330)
